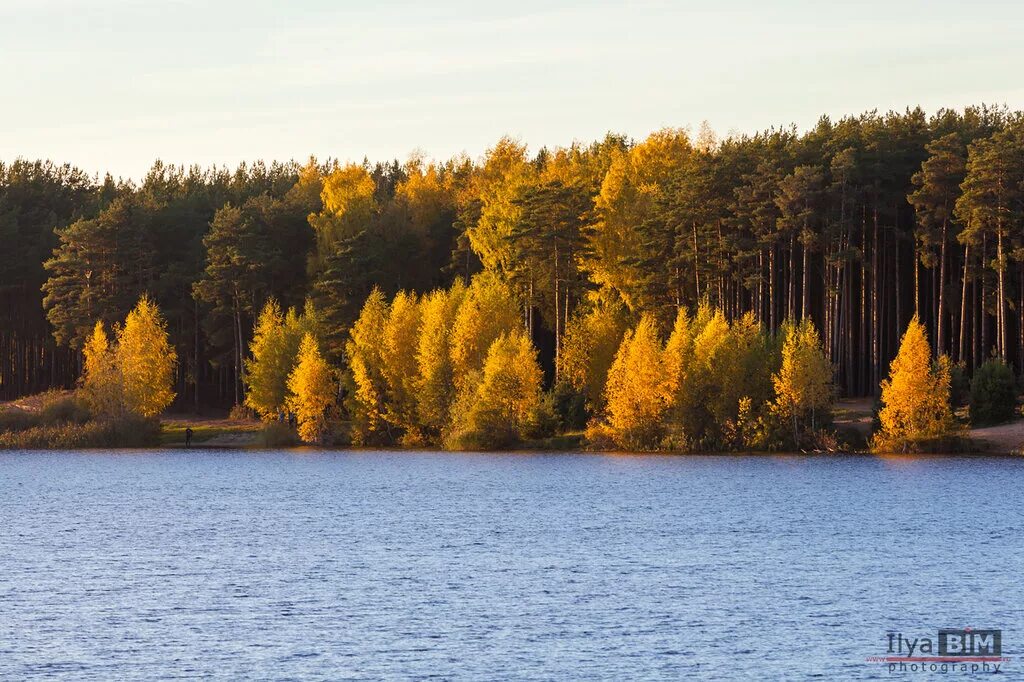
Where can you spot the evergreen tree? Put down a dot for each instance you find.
(991, 208)
(98, 270)
(937, 187)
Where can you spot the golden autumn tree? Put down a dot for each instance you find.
(505, 172)
(435, 382)
(488, 310)
(637, 392)
(697, 355)
(803, 385)
(366, 365)
(636, 179)
(101, 380)
(266, 372)
(915, 397)
(312, 390)
(348, 207)
(507, 405)
(146, 360)
(399, 368)
(592, 338)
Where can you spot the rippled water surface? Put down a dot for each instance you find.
(410, 565)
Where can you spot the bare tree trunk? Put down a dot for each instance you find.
(238, 350)
(874, 307)
(940, 328)
(195, 367)
(805, 306)
(696, 262)
(963, 306)
(791, 300)
(985, 346)
(558, 325)
(1001, 317)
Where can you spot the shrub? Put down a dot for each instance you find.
(61, 407)
(993, 394)
(241, 413)
(130, 431)
(277, 435)
(959, 385)
(570, 406)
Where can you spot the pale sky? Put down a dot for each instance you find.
(111, 85)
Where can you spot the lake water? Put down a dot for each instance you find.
(369, 565)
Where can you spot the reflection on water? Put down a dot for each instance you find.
(335, 565)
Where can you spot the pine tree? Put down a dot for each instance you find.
(991, 208)
(547, 240)
(312, 388)
(937, 187)
(146, 360)
(915, 398)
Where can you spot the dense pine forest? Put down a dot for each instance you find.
(856, 225)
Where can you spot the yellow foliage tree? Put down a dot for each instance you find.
(488, 310)
(803, 385)
(507, 405)
(424, 196)
(629, 194)
(312, 389)
(637, 392)
(348, 207)
(146, 360)
(435, 384)
(101, 381)
(505, 172)
(591, 340)
(266, 372)
(915, 397)
(364, 350)
(398, 364)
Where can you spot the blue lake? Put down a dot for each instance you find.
(369, 565)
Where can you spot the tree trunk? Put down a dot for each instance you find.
(963, 306)
(940, 328)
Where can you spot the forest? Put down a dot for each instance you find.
(855, 227)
